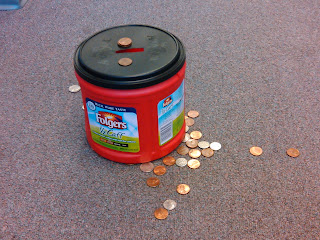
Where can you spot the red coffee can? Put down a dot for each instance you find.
(132, 84)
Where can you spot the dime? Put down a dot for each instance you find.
(193, 163)
(256, 151)
(153, 182)
(192, 143)
(169, 204)
(196, 135)
(146, 167)
(181, 162)
(207, 152)
(125, 62)
(293, 152)
(193, 114)
(186, 137)
(182, 150)
(189, 122)
(183, 189)
(215, 146)
(74, 88)
(159, 170)
(187, 128)
(124, 42)
(169, 161)
(203, 144)
(194, 153)
(161, 213)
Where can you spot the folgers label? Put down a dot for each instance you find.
(132, 84)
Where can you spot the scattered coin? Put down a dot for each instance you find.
(185, 117)
(194, 153)
(182, 150)
(215, 146)
(203, 144)
(207, 152)
(159, 170)
(125, 62)
(169, 204)
(196, 135)
(293, 152)
(193, 163)
(161, 213)
(82, 107)
(181, 162)
(124, 42)
(256, 151)
(74, 88)
(183, 189)
(169, 161)
(193, 114)
(153, 182)
(192, 143)
(186, 137)
(187, 128)
(146, 167)
(189, 122)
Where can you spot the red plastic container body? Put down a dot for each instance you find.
(145, 101)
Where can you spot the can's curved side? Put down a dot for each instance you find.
(145, 102)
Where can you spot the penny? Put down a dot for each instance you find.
(183, 189)
(153, 182)
(146, 167)
(185, 117)
(193, 163)
(196, 135)
(215, 146)
(293, 152)
(74, 88)
(169, 161)
(182, 150)
(194, 153)
(186, 137)
(181, 162)
(207, 152)
(192, 143)
(187, 128)
(189, 122)
(256, 151)
(159, 170)
(193, 114)
(203, 144)
(169, 204)
(125, 62)
(161, 213)
(124, 42)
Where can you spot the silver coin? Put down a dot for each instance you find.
(187, 128)
(74, 88)
(82, 107)
(147, 167)
(215, 146)
(181, 162)
(186, 137)
(203, 144)
(169, 204)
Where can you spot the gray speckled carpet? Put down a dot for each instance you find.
(252, 73)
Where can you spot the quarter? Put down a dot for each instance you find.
(215, 146)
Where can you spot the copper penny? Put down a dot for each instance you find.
(125, 62)
(189, 122)
(256, 151)
(161, 213)
(182, 150)
(196, 135)
(193, 114)
(207, 152)
(192, 143)
(183, 189)
(153, 182)
(146, 167)
(159, 170)
(124, 42)
(194, 153)
(193, 163)
(186, 137)
(169, 161)
(293, 152)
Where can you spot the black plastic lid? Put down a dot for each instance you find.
(156, 56)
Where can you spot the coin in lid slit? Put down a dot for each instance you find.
(153, 182)
(193, 163)
(192, 143)
(186, 137)
(203, 144)
(189, 122)
(74, 88)
(169, 160)
(194, 153)
(215, 146)
(196, 135)
(169, 204)
(293, 152)
(183, 189)
(193, 114)
(159, 170)
(181, 162)
(207, 152)
(256, 151)
(182, 150)
(146, 167)
(161, 213)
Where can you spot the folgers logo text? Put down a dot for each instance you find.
(110, 120)
(167, 101)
